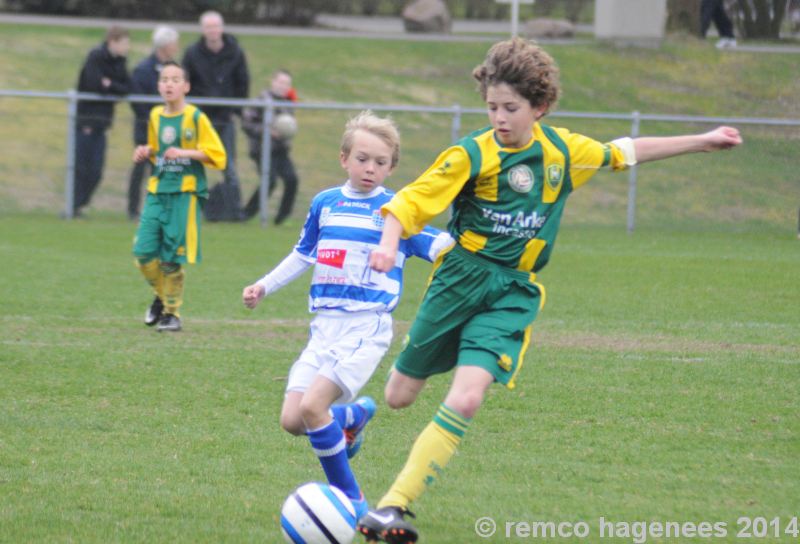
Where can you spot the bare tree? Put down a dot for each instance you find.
(758, 18)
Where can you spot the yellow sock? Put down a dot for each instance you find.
(173, 291)
(151, 271)
(430, 454)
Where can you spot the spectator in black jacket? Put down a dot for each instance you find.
(145, 81)
(217, 67)
(104, 72)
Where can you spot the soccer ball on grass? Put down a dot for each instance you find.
(317, 513)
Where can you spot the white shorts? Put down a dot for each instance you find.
(344, 348)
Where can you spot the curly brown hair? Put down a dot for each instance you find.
(525, 67)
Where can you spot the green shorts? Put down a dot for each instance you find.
(169, 228)
(475, 313)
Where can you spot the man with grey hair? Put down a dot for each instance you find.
(145, 81)
(217, 67)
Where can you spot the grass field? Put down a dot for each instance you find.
(663, 380)
(662, 386)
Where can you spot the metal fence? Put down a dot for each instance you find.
(455, 113)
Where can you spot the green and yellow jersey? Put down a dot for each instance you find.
(507, 202)
(189, 129)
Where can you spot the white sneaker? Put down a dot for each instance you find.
(726, 43)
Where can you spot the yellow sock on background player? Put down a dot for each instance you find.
(151, 270)
(173, 288)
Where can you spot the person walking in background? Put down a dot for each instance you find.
(281, 165)
(104, 71)
(144, 80)
(714, 10)
(217, 67)
(180, 142)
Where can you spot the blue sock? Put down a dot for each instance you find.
(348, 415)
(328, 444)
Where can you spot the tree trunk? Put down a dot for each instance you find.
(759, 18)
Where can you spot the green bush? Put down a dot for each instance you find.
(300, 12)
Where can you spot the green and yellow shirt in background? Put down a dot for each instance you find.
(189, 129)
(507, 202)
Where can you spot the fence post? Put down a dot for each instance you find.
(266, 159)
(632, 176)
(455, 126)
(69, 178)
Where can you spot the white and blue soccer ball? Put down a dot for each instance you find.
(317, 513)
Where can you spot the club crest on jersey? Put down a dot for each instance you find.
(520, 178)
(188, 134)
(555, 174)
(324, 215)
(168, 134)
(377, 219)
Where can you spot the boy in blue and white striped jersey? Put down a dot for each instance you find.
(353, 326)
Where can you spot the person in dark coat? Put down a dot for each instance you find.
(217, 67)
(104, 72)
(281, 165)
(144, 80)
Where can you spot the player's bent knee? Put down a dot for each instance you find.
(293, 424)
(401, 390)
(143, 259)
(398, 399)
(465, 403)
(170, 268)
(313, 413)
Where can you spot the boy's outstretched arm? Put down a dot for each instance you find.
(384, 257)
(289, 269)
(657, 148)
(252, 295)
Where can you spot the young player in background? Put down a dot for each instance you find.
(353, 326)
(180, 140)
(508, 184)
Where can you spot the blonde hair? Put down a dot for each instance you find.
(382, 127)
(523, 66)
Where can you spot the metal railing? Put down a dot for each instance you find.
(269, 105)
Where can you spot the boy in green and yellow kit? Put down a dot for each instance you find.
(180, 141)
(507, 184)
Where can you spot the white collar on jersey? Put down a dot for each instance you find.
(349, 192)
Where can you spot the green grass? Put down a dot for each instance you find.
(661, 386)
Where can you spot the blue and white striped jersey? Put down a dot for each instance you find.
(342, 228)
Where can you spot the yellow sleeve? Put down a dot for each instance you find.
(209, 143)
(587, 156)
(152, 132)
(432, 192)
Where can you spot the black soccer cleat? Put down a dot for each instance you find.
(387, 525)
(153, 313)
(169, 323)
